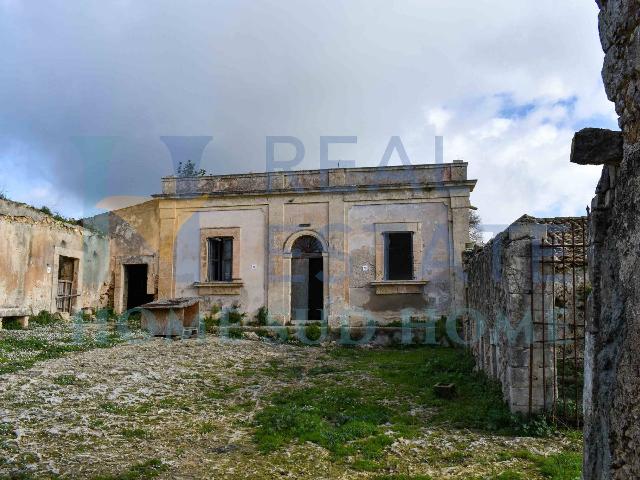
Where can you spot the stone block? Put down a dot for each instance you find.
(597, 146)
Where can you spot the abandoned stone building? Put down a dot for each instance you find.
(356, 245)
(46, 264)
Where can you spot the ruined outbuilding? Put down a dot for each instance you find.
(48, 264)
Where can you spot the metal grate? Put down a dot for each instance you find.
(559, 291)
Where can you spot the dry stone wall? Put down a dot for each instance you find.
(498, 325)
(612, 384)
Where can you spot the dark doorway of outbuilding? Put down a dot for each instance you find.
(135, 286)
(67, 284)
(307, 279)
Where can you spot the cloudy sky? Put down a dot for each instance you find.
(89, 89)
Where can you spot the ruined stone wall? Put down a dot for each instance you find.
(498, 299)
(30, 246)
(612, 386)
(134, 238)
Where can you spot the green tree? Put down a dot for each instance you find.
(475, 232)
(189, 170)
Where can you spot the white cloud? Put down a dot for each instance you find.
(246, 69)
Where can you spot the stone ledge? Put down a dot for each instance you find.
(597, 146)
(219, 288)
(391, 287)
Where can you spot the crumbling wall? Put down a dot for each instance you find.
(498, 323)
(134, 238)
(31, 243)
(612, 386)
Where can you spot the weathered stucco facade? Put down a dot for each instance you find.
(33, 247)
(264, 216)
(308, 245)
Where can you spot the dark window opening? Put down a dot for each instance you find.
(220, 257)
(398, 249)
(135, 279)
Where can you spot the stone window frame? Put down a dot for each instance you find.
(381, 284)
(219, 287)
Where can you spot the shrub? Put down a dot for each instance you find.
(262, 316)
(212, 320)
(210, 324)
(45, 318)
(234, 332)
(313, 332)
(538, 427)
(234, 315)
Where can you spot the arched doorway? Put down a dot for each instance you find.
(307, 279)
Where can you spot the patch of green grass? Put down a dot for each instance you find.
(344, 420)
(219, 393)
(277, 370)
(414, 371)
(64, 380)
(508, 475)
(132, 433)
(174, 403)
(114, 408)
(323, 370)
(561, 466)
(45, 318)
(521, 454)
(34, 350)
(150, 469)
(206, 427)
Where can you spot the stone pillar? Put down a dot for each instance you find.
(24, 322)
(277, 271)
(338, 258)
(166, 283)
(460, 236)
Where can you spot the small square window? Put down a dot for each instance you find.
(398, 255)
(220, 259)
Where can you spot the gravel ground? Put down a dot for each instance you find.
(184, 409)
